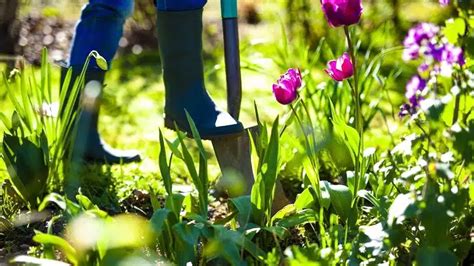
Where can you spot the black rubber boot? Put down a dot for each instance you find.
(88, 144)
(180, 41)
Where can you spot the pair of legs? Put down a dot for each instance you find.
(179, 24)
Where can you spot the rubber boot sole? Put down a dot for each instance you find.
(171, 124)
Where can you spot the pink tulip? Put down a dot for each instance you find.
(444, 2)
(341, 68)
(342, 12)
(286, 89)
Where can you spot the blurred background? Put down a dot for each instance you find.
(28, 25)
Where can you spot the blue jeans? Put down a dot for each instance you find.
(101, 26)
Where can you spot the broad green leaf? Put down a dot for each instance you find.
(325, 196)
(241, 240)
(69, 251)
(244, 209)
(397, 212)
(278, 231)
(158, 220)
(430, 256)
(53, 198)
(174, 202)
(187, 237)
(341, 199)
(26, 166)
(305, 200)
(299, 218)
(286, 211)
(454, 29)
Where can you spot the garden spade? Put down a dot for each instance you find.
(233, 153)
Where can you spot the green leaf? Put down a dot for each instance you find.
(313, 176)
(325, 196)
(454, 29)
(174, 202)
(69, 251)
(26, 166)
(429, 256)
(304, 200)
(187, 237)
(196, 136)
(53, 198)
(158, 220)
(341, 199)
(87, 205)
(198, 183)
(299, 218)
(164, 168)
(244, 209)
(286, 211)
(6, 122)
(241, 240)
(174, 147)
(344, 144)
(368, 195)
(264, 187)
(400, 206)
(278, 231)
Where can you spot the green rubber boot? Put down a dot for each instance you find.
(180, 41)
(88, 144)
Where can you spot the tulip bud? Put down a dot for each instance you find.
(286, 89)
(342, 12)
(341, 68)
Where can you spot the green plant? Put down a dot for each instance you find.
(37, 138)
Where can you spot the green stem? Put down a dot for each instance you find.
(358, 113)
(308, 145)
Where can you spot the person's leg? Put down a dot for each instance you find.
(179, 25)
(100, 28)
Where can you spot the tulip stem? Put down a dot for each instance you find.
(358, 114)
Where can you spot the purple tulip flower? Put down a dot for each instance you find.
(444, 2)
(341, 68)
(286, 89)
(342, 12)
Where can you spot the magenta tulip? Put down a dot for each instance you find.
(444, 2)
(341, 68)
(286, 89)
(342, 12)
